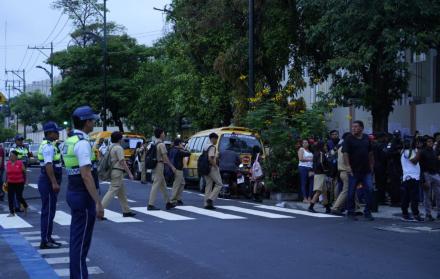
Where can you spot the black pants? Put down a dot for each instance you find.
(15, 190)
(395, 187)
(381, 185)
(410, 194)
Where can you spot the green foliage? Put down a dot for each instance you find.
(32, 108)
(6, 134)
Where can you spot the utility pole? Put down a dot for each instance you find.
(40, 49)
(104, 124)
(251, 84)
(22, 77)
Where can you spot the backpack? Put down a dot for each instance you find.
(256, 170)
(105, 166)
(151, 157)
(203, 166)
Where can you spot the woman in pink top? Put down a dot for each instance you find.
(16, 175)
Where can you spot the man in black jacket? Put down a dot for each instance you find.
(177, 154)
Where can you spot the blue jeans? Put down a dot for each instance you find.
(367, 182)
(305, 180)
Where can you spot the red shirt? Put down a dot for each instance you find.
(14, 172)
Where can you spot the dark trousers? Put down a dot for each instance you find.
(15, 191)
(395, 181)
(367, 186)
(48, 207)
(306, 182)
(410, 195)
(83, 211)
(381, 185)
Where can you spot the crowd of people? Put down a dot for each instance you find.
(380, 169)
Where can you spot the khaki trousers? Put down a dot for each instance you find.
(116, 188)
(143, 172)
(342, 197)
(211, 190)
(178, 186)
(159, 183)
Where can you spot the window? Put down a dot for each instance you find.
(243, 144)
(199, 145)
(191, 144)
(418, 57)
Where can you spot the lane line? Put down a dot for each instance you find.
(33, 185)
(30, 233)
(65, 272)
(60, 260)
(37, 244)
(255, 212)
(15, 222)
(53, 251)
(30, 238)
(296, 211)
(62, 218)
(162, 214)
(209, 213)
(118, 218)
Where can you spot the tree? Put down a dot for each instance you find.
(32, 109)
(362, 46)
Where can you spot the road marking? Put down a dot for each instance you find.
(202, 195)
(64, 272)
(296, 211)
(209, 213)
(53, 251)
(37, 244)
(30, 233)
(255, 212)
(30, 238)
(251, 203)
(162, 214)
(104, 182)
(15, 222)
(33, 185)
(127, 199)
(62, 218)
(60, 260)
(118, 218)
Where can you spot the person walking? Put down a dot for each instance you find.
(358, 156)
(394, 151)
(119, 166)
(257, 174)
(410, 182)
(82, 189)
(178, 154)
(305, 168)
(380, 167)
(159, 182)
(213, 180)
(140, 154)
(229, 161)
(16, 178)
(2, 170)
(320, 169)
(49, 182)
(429, 163)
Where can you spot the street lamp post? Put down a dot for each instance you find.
(251, 84)
(50, 74)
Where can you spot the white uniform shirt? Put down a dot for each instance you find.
(83, 150)
(410, 170)
(48, 153)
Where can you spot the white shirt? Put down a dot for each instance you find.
(103, 149)
(410, 170)
(83, 150)
(306, 155)
(48, 153)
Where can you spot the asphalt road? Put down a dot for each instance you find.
(246, 241)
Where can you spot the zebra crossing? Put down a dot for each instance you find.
(180, 213)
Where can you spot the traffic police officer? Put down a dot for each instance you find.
(49, 182)
(23, 152)
(82, 189)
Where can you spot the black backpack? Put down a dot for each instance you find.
(203, 166)
(151, 157)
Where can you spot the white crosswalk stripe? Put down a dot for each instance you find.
(209, 213)
(31, 233)
(37, 244)
(118, 218)
(14, 222)
(62, 218)
(296, 211)
(33, 185)
(64, 272)
(162, 214)
(255, 212)
(60, 260)
(53, 251)
(30, 238)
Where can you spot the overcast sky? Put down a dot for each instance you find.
(34, 22)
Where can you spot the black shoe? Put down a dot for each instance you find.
(328, 210)
(406, 218)
(170, 205)
(418, 218)
(54, 242)
(179, 202)
(18, 210)
(128, 214)
(369, 217)
(429, 218)
(152, 207)
(352, 217)
(336, 212)
(48, 245)
(311, 209)
(210, 207)
(209, 202)
(358, 213)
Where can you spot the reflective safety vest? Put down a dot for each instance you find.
(70, 160)
(22, 152)
(56, 160)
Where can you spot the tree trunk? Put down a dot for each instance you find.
(120, 125)
(380, 119)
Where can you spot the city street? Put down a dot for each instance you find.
(238, 240)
